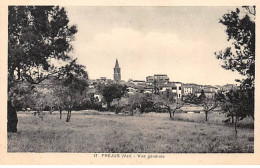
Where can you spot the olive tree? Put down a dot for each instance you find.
(166, 101)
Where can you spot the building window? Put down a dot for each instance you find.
(179, 88)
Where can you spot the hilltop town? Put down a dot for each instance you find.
(159, 83)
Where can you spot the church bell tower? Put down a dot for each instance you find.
(117, 73)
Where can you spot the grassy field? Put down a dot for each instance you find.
(213, 118)
(105, 132)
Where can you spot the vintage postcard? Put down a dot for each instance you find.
(140, 82)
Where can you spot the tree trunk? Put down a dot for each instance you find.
(206, 113)
(68, 116)
(169, 110)
(173, 112)
(252, 115)
(60, 112)
(142, 109)
(108, 105)
(236, 125)
(51, 110)
(12, 119)
(132, 112)
(232, 119)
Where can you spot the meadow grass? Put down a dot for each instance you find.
(95, 132)
(213, 118)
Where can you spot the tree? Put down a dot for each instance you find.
(143, 102)
(92, 102)
(25, 95)
(202, 96)
(135, 101)
(192, 98)
(112, 91)
(122, 105)
(40, 100)
(59, 98)
(166, 101)
(73, 80)
(233, 103)
(19, 96)
(209, 104)
(240, 57)
(241, 31)
(37, 35)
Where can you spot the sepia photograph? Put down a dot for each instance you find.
(113, 81)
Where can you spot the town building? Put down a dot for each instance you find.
(209, 88)
(209, 95)
(117, 72)
(103, 79)
(138, 82)
(178, 90)
(174, 87)
(188, 89)
(159, 79)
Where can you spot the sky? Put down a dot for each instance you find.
(177, 41)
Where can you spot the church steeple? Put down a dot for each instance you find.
(117, 65)
(117, 73)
